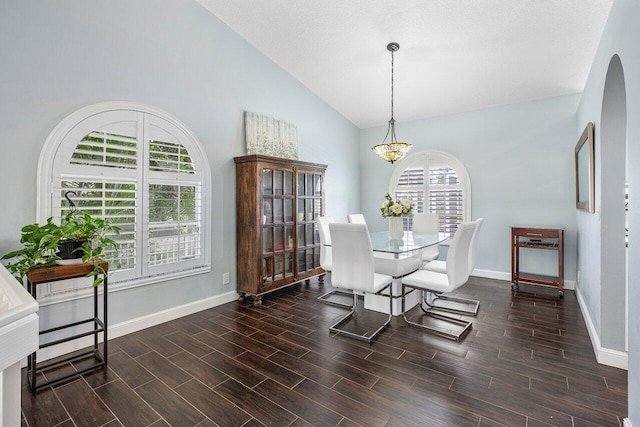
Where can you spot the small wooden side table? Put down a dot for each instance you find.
(537, 237)
(37, 276)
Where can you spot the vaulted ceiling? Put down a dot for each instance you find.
(455, 55)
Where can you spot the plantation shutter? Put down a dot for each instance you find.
(434, 186)
(136, 171)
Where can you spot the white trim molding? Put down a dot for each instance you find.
(626, 423)
(606, 356)
(569, 285)
(134, 325)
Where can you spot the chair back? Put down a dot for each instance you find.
(426, 223)
(325, 239)
(474, 244)
(356, 219)
(352, 262)
(458, 255)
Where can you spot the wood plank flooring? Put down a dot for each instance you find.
(527, 361)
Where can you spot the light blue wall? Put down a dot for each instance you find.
(620, 38)
(520, 161)
(56, 57)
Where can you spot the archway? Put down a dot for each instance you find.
(613, 148)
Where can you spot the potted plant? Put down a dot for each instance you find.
(395, 211)
(46, 244)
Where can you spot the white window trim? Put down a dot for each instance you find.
(423, 156)
(53, 143)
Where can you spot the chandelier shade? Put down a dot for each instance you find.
(393, 150)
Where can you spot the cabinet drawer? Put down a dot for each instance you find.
(536, 233)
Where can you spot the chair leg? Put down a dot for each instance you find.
(441, 331)
(474, 304)
(324, 298)
(362, 337)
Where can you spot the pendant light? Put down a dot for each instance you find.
(393, 150)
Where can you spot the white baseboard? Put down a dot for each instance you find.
(605, 356)
(626, 423)
(501, 275)
(138, 324)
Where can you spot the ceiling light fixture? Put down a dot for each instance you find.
(393, 150)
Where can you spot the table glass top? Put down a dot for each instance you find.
(381, 242)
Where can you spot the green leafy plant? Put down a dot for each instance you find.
(41, 244)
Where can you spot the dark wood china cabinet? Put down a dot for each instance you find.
(277, 238)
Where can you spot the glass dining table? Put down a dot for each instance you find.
(398, 258)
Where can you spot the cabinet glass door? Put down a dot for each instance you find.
(308, 209)
(277, 224)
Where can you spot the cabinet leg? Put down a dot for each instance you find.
(321, 280)
(240, 297)
(257, 300)
(560, 294)
(514, 286)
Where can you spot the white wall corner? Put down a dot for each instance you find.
(605, 356)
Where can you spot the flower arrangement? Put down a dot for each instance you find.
(391, 208)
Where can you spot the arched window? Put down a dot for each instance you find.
(141, 170)
(437, 182)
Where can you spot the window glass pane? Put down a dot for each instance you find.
(267, 184)
(317, 181)
(301, 262)
(442, 175)
(447, 204)
(288, 264)
(267, 212)
(309, 180)
(288, 183)
(278, 238)
(278, 267)
(316, 258)
(309, 236)
(169, 157)
(107, 150)
(267, 240)
(309, 210)
(288, 237)
(278, 216)
(317, 208)
(277, 181)
(174, 223)
(300, 209)
(309, 259)
(412, 176)
(288, 210)
(300, 235)
(300, 184)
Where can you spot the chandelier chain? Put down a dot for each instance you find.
(392, 85)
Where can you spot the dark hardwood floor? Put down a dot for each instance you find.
(527, 361)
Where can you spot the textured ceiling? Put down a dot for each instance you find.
(455, 55)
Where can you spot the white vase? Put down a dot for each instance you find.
(396, 227)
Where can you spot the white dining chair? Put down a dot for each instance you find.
(356, 219)
(434, 283)
(427, 223)
(353, 268)
(439, 266)
(326, 261)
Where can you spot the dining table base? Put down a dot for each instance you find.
(396, 266)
